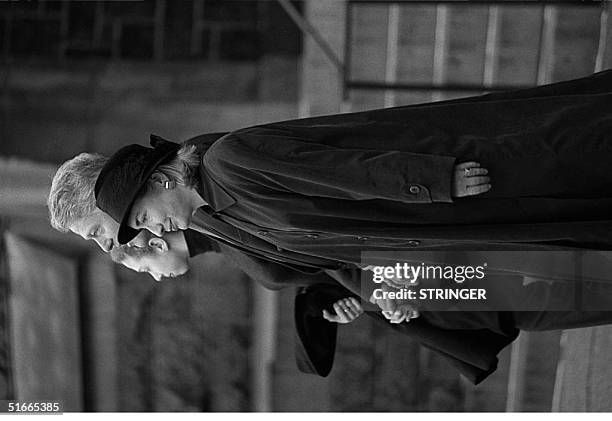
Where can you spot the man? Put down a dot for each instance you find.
(318, 307)
(72, 205)
(168, 257)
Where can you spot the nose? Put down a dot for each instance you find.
(156, 276)
(136, 242)
(139, 241)
(104, 244)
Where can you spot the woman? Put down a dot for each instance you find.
(408, 178)
(318, 306)
(315, 193)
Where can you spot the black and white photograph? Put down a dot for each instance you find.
(306, 206)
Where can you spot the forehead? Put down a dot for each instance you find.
(85, 225)
(141, 202)
(154, 198)
(147, 195)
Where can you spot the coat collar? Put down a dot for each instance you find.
(216, 196)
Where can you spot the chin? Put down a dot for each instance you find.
(181, 272)
(182, 224)
(179, 223)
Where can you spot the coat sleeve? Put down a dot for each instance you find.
(472, 351)
(273, 158)
(271, 275)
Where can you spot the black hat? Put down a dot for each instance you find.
(315, 344)
(123, 177)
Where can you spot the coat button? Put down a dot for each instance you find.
(414, 243)
(414, 189)
(313, 236)
(262, 232)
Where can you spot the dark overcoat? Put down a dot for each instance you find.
(335, 186)
(315, 193)
(471, 344)
(468, 340)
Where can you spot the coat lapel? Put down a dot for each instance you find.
(215, 195)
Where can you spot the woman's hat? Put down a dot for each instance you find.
(124, 176)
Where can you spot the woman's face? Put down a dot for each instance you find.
(161, 210)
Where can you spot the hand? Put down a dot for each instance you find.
(402, 313)
(347, 310)
(395, 310)
(470, 179)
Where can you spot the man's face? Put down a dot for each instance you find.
(161, 210)
(99, 227)
(161, 260)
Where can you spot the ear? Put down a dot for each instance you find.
(159, 244)
(162, 180)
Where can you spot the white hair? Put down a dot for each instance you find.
(72, 191)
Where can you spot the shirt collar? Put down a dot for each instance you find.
(216, 196)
